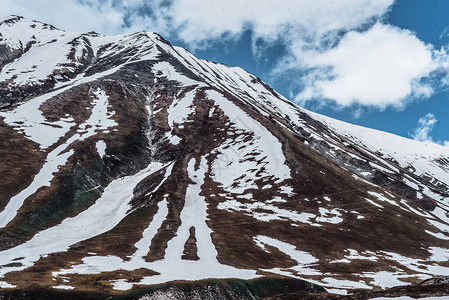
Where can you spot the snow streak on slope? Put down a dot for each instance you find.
(180, 109)
(99, 120)
(28, 118)
(305, 260)
(105, 214)
(247, 161)
(194, 213)
(99, 264)
(172, 267)
(55, 159)
(165, 69)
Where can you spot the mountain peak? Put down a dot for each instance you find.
(13, 20)
(19, 33)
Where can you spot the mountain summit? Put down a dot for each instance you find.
(127, 162)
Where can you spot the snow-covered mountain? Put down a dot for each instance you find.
(127, 162)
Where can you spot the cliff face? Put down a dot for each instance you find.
(127, 162)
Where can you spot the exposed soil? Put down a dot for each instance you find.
(190, 247)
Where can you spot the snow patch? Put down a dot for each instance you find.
(180, 109)
(5, 285)
(386, 279)
(344, 284)
(383, 198)
(373, 203)
(64, 287)
(304, 259)
(165, 69)
(100, 117)
(236, 157)
(101, 148)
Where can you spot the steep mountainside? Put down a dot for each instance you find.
(127, 162)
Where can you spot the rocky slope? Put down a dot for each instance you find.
(128, 163)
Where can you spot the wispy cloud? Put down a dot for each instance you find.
(196, 21)
(73, 15)
(423, 130)
(425, 126)
(311, 21)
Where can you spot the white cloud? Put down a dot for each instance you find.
(201, 20)
(69, 14)
(378, 67)
(196, 21)
(424, 128)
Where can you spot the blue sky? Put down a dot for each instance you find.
(377, 63)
